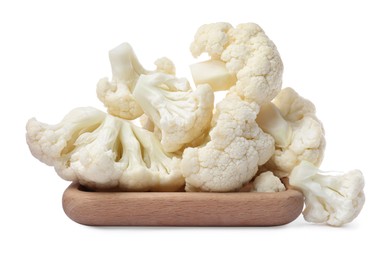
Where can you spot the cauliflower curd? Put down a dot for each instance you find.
(255, 136)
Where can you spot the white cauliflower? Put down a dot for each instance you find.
(236, 148)
(335, 200)
(116, 94)
(243, 56)
(180, 114)
(104, 152)
(53, 144)
(149, 167)
(267, 182)
(298, 134)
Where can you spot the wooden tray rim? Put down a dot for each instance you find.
(193, 208)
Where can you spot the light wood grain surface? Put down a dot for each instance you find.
(181, 208)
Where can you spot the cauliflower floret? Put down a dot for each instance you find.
(212, 39)
(116, 94)
(267, 182)
(104, 152)
(180, 114)
(96, 157)
(149, 167)
(52, 144)
(335, 200)
(243, 56)
(298, 134)
(235, 149)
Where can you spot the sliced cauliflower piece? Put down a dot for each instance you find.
(116, 94)
(298, 134)
(104, 152)
(267, 182)
(180, 114)
(331, 199)
(235, 149)
(242, 58)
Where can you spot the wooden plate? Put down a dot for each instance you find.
(181, 208)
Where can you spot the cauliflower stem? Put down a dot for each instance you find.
(116, 94)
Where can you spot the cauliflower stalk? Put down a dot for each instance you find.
(242, 58)
(331, 199)
(298, 134)
(104, 152)
(180, 114)
(116, 94)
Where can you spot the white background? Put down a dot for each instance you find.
(335, 53)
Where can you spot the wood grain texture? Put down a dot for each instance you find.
(181, 208)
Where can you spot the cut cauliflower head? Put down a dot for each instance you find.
(104, 152)
(331, 199)
(180, 114)
(242, 58)
(235, 149)
(298, 134)
(267, 182)
(116, 94)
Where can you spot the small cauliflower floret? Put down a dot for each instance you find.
(335, 200)
(298, 134)
(116, 94)
(267, 182)
(180, 114)
(235, 149)
(243, 59)
(104, 152)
